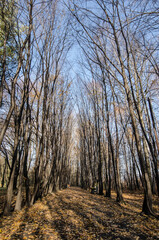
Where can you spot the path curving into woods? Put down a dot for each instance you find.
(74, 213)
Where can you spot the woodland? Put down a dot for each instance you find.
(79, 117)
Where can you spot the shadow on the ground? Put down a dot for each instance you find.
(93, 218)
(76, 214)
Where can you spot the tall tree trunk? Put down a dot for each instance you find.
(9, 196)
(147, 204)
(18, 204)
(3, 174)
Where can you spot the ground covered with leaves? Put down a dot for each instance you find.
(76, 214)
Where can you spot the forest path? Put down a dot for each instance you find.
(74, 213)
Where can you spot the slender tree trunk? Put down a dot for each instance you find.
(7, 207)
(147, 204)
(3, 174)
(18, 204)
(108, 185)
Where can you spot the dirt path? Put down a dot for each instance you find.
(76, 214)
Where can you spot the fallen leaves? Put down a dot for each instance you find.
(76, 214)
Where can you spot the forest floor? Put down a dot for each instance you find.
(76, 214)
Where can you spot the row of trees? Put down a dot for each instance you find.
(36, 113)
(118, 133)
(117, 139)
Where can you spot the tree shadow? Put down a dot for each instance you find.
(77, 214)
(92, 223)
(23, 231)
